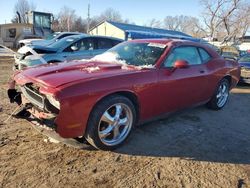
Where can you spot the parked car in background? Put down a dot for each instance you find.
(245, 68)
(68, 48)
(28, 39)
(53, 37)
(242, 53)
(102, 99)
(230, 55)
(230, 52)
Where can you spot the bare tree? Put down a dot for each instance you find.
(186, 24)
(236, 23)
(211, 13)
(80, 25)
(227, 17)
(111, 15)
(243, 20)
(171, 22)
(154, 23)
(22, 6)
(66, 19)
(192, 26)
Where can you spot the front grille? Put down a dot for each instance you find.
(31, 92)
(33, 96)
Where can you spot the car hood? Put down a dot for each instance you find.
(60, 74)
(29, 41)
(42, 42)
(37, 49)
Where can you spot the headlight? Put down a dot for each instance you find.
(53, 101)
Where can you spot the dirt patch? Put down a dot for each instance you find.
(194, 148)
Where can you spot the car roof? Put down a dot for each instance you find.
(169, 41)
(66, 32)
(100, 36)
(176, 42)
(82, 35)
(76, 36)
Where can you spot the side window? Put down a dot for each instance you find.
(204, 55)
(187, 53)
(86, 44)
(81, 45)
(104, 44)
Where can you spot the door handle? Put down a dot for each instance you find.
(202, 71)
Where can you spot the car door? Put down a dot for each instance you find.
(81, 49)
(182, 87)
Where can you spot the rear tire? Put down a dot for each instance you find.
(220, 97)
(110, 122)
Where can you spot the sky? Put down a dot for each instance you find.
(138, 11)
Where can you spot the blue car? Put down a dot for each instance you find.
(245, 68)
(69, 48)
(53, 37)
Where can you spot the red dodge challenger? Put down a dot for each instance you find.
(136, 81)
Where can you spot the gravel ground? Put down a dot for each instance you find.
(193, 148)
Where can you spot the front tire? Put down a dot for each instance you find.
(220, 97)
(110, 122)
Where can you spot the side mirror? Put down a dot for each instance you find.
(74, 48)
(181, 64)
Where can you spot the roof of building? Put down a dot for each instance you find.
(131, 27)
(139, 32)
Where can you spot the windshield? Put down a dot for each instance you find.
(134, 53)
(245, 59)
(51, 36)
(64, 42)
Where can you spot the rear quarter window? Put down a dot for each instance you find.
(205, 56)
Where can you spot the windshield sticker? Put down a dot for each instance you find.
(157, 45)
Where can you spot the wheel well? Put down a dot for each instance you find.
(229, 78)
(131, 96)
(54, 61)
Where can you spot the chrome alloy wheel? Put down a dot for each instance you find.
(115, 124)
(222, 94)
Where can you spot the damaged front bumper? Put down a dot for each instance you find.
(51, 133)
(71, 122)
(44, 123)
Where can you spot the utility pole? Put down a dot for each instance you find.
(88, 19)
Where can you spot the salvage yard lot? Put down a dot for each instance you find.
(194, 148)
